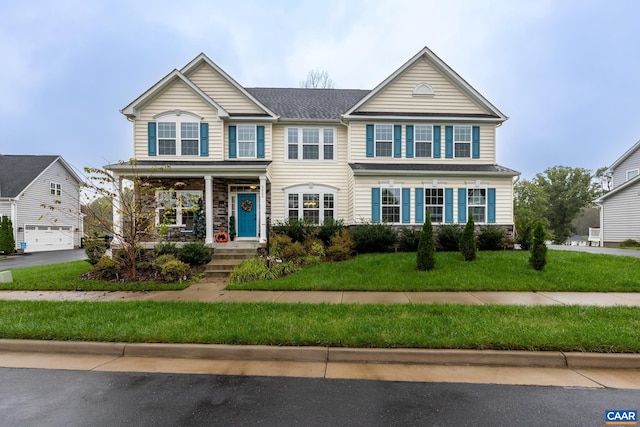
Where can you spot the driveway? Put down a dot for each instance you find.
(597, 250)
(41, 258)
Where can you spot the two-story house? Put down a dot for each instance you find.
(423, 139)
(620, 207)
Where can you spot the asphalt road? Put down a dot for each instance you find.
(33, 397)
(41, 258)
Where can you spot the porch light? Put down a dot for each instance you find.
(180, 185)
(253, 187)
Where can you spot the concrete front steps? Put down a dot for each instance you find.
(226, 256)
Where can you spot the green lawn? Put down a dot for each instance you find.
(492, 271)
(560, 328)
(66, 277)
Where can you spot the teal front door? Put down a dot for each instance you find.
(247, 215)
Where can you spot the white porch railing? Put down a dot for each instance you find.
(594, 236)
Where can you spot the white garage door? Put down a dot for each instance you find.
(48, 237)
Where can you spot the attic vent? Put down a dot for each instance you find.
(423, 89)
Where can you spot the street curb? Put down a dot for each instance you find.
(537, 359)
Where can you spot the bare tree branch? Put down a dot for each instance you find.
(317, 79)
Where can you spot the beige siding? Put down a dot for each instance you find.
(178, 97)
(286, 173)
(619, 176)
(621, 216)
(358, 141)
(398, 95)
(222, 92)
(503, 186)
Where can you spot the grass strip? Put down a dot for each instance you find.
(66, 277)
(560, 328)
(491, 271)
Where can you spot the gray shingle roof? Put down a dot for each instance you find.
(17, 172)
(440, 167)
(298, 103)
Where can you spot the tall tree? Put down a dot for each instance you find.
(567, 191)
(317, 79)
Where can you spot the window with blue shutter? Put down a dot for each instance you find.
(151, 128)
(419, 205)
(204, 139)
(462, 205)
(370, 144)
(448, 142)
(409, 141)
(406, 205)
(397, 141)
(232, 142)
(260, 141)
(448, 205)
(491, 205)
(375, 205)
(475, 142)
(436, 142)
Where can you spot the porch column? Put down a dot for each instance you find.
(208, 197)
(117, 211)
(263, 209)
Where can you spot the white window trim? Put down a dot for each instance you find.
(311, 188)
(255, 142)
(635, 172)
(55, 189)
(444, 200)
(178, 117)
(470, 143)
(375, 141)
(176, 195)
(300, 144)
(387, 186)
(415, 142)
(486, 202)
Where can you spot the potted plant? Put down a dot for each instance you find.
(232, 227)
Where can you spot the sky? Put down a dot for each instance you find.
(566, 73)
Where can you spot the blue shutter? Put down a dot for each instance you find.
(409, 141)
(448, 142)
(151, 127)
(375, 205)
(475, 142)
(397, 141)
(419, 205)
(491, 205)
(204, 139)
(436, 142)
(462, 205)
(406, 205)
(260, 141)
(448, 205)
(370, 131)
(232, 142)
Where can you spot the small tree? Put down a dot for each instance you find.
(538, 257)
(426, 246)
(7, 242)
(468, 240)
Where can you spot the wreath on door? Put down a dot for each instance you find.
(247, 206)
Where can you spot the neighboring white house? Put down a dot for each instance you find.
(423, 139)
(29, 186)
(620, 207)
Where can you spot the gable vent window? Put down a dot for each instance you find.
(423, 89)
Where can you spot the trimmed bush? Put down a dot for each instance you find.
(296, 229)
(371, 237)
(468, 240)
(107, 268)
(174, 270)
(524, 229)
(491, 238)
(277, 243)
(448, 239)
(409, 240)
(314, 247)
(194, 253)
(293, 252)
(95, 250)
(341, 247)
(162, 260)
(329, 228)
(426, 260)
(7, 242)
(165, 248)
(538, 257)
(630, 243)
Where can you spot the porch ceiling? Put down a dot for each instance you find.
(237, 169)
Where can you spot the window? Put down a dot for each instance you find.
(177, 207)
(632, 174)
(384, 140)
(186, 142)
(390, 203)
(246, 141)
(434, 203)
(462, 141)
(56, 189)
(423, 140)
(316, 143)
(477, 204)
(313, 206)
